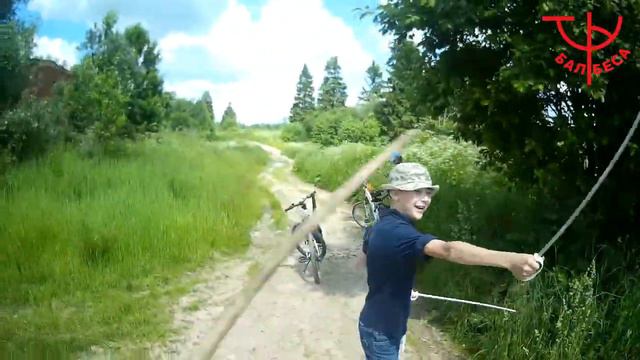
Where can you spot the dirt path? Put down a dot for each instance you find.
(291, 317)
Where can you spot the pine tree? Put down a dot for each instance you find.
(304, 101)
(229, 118)
(206, 99)
(333, 91)
(374, 85)
(399, 110)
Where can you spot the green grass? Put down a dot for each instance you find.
(91, 247)
(329, 167)
(279, 217)
(292, 149)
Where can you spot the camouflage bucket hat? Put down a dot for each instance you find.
(409, 177)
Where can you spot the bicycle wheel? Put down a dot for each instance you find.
(362, 214)
(359, 214)
(322, 245)
(319, 239)
(315, 264)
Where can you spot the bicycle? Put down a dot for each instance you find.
(365, 212)
(314, 248)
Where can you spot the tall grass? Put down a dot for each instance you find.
(561, 314)
(91, 247)
(329, 167)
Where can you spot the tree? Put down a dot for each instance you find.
(400, 109)
(229, 120)
(333, 91)
(146, 106)
(294, 131)
(304, 102)
(374, 85)
(94, 101)
(134, 57)
(184, 114)
(491, 65)
(208, 102)
(16, 45)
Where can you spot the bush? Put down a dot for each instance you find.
(184, 114)
(459, 162)
(294, 132)
(31, 129)
(325, 126)
(329, 167)
(359, 131)
(93, 100)
(342, 125)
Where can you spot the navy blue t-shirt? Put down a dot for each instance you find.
(393, 247)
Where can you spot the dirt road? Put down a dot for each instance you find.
(291, 317)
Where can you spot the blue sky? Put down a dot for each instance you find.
(245, 52)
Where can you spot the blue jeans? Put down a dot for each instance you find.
(377, 346)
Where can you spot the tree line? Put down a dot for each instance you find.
(114, 93)
(383, 111)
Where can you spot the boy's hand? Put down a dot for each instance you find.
(522, 266)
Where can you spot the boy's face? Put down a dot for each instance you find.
(412, 203)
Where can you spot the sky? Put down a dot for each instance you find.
(245, 52)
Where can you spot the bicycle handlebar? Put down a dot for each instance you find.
(301, 202)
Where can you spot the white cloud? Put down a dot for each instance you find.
(56, 49)
(264, 56)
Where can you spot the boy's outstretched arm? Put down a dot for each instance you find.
(521, 265)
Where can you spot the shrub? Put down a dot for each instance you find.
(354, 130)
(294, 132)
(93, 100)
(342, 125)
(324, 127)
(31, 129)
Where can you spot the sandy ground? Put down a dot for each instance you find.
(291, 317)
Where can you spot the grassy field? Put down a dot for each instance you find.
(92, 247)
(329, 167)
(562, 314)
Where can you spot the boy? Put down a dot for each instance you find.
(393, 247)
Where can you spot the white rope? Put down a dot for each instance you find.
(594, 188)
(605, 173)
(415, 295)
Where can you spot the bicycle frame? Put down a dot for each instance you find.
(311, 252)
(309, 238)
(370, 203)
